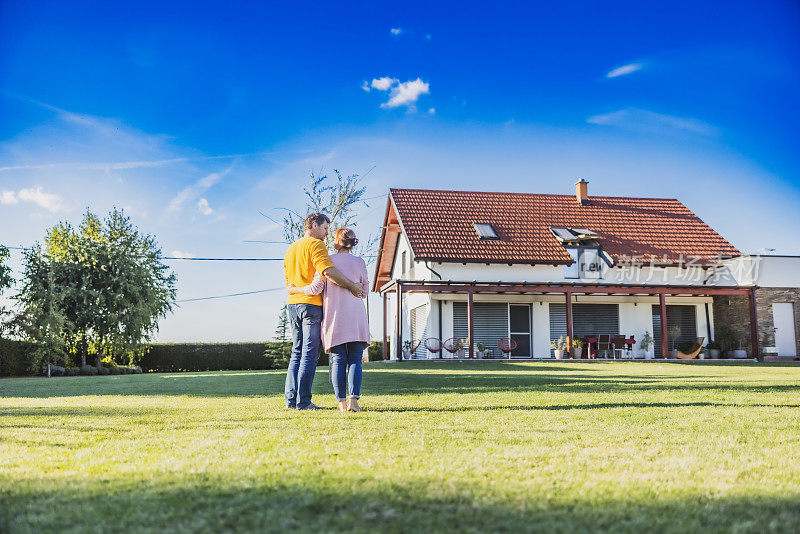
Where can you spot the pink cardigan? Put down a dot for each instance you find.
(344, 318)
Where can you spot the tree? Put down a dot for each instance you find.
(337, 199)
(111, 284)
(282, 332)
(5, 282)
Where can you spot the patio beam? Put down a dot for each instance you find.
(416, 287)
(753, 326)
(568, 302)
(399, 322)
(385, 348)
(663, 304)
(471, 323)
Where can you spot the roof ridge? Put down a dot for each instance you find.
(392, 189)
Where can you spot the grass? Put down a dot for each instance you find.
(473, 447)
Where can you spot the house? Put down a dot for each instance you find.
(482, 266)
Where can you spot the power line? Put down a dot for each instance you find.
(220, 259)
(232, 295)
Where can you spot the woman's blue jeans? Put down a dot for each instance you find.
(346, 369)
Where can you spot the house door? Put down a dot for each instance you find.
(783, 319)
(520, 329)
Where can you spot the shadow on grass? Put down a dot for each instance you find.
(336, 504)
(416, 379)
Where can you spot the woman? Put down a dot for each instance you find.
(345, 330)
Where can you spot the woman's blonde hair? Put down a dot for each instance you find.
(345, 239)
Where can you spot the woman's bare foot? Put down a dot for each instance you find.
(343, 406)
(353, 406)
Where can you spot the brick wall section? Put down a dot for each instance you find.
(734, 311)
(765, 296)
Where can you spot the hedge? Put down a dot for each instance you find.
(16, 358)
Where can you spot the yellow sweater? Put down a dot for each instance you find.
(305, 257)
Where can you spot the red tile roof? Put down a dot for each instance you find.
(439, 225)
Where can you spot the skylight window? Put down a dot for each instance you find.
(573, 235)
(485, 231)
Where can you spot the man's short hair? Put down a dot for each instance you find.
(316, 218)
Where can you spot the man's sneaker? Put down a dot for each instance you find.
(311, 406)
(291, 407)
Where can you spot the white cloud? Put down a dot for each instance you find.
(48, 201)
(406, 94)
(203, 207)
(196, 189)
(365, 86)
(644, 121)
(383, 84)
(396, 31)
(8, 197)
(625, 69)
(432, 111)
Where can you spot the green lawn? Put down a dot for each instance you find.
(472, 447)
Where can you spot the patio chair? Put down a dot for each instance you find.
(697, 346)
(453, 345)
(619, 347)
(434, 345)
(604, 345)
(506, 346)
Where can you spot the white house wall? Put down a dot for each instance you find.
(765, 271)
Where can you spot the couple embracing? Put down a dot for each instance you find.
(326, 307)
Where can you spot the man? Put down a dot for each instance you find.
(305, 257)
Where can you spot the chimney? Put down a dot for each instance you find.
(582, 192)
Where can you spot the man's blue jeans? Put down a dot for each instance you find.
(305, 321)
(346, 362)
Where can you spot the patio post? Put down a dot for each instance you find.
(385, 349)
(753, 326)
(568, 297)
(399, 321)
(664, 340)
(470, 323)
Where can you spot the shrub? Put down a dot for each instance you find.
(89, 370)
(375, 351)
(277, 355)
(55, 370)
(115, 370)
(103, 371)
(136, 370)
(73, 371)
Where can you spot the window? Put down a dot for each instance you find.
(485, 231)
(403, 264)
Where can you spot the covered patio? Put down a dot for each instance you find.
(567, 290)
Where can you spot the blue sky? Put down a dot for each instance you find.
(194, 116)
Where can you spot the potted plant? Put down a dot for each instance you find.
(463, 343)
(406, 350)
(729, 339)
(713, 350)
(645, 344)
(577, 349)
(558, 346)
(673, 334)
(481, 353)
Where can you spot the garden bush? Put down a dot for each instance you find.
(73, 371)
(375, 351)
(89, 370)
(103, 371)
(115, 370)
